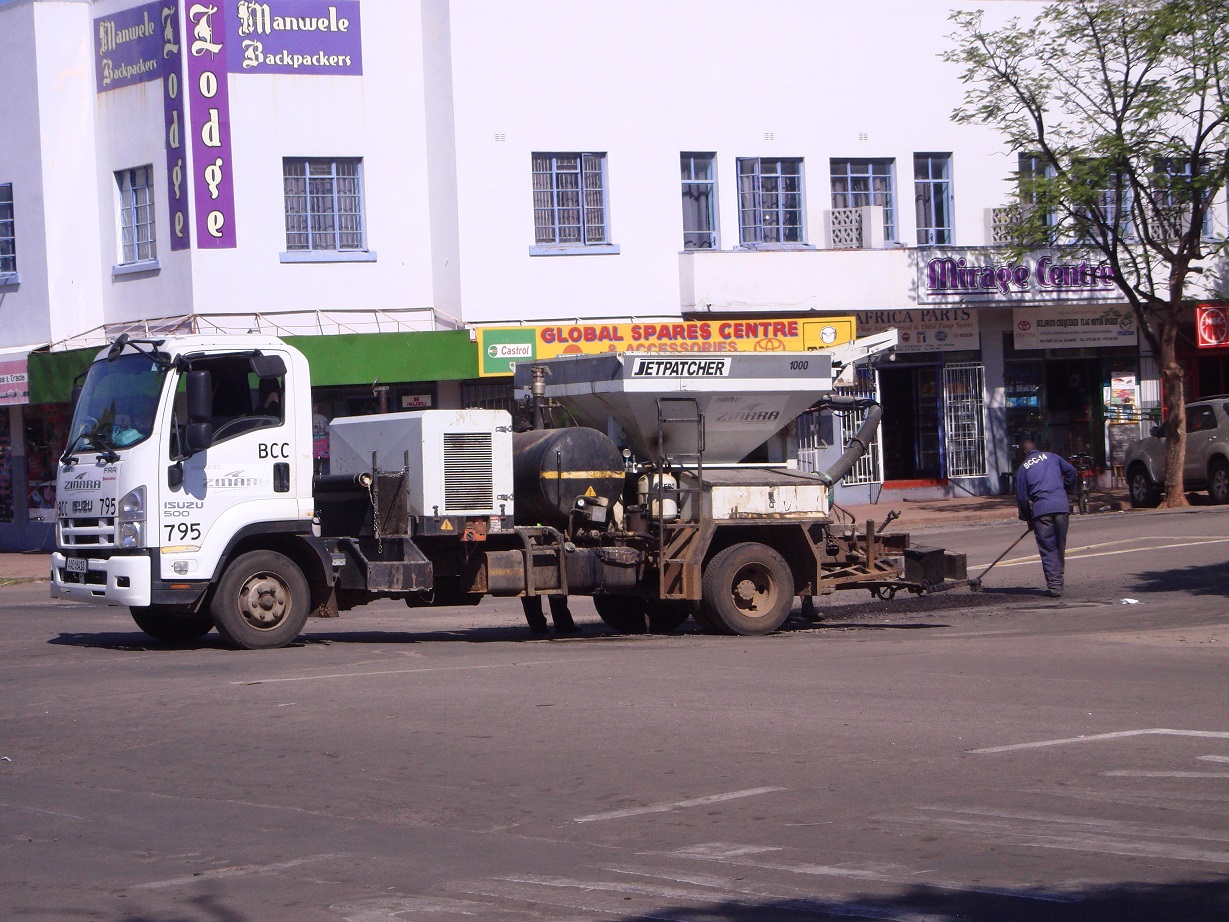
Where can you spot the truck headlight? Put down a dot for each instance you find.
(132, 519)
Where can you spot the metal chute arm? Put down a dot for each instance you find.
(861, 441)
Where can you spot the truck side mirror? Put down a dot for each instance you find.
(200, 396)
(198, 437)
(268, 366)
(198, 434)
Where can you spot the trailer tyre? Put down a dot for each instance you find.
(261, 602)
(748, 589)
(171, 626)
(629, 614)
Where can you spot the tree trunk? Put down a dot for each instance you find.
(1173, 399)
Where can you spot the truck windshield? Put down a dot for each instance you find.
(117, 404)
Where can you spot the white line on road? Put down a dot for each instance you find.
(70, 816)
(675, 805)
(1133, 773)
(353, 675)
(1120, 734)
(1032, 558)
(232, 872)
(1214, 758)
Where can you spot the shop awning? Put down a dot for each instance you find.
(346, 359)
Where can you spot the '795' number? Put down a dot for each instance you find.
(184, 531)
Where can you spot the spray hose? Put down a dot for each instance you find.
(861, 441)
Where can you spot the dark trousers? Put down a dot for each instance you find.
(559, 612)
(1051, 534)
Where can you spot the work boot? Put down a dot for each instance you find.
(1054, 593)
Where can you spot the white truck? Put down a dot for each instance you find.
(187, 493)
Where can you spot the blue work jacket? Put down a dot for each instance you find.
(1042, 483)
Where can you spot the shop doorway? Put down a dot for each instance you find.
(910, 399)
(1058, 404)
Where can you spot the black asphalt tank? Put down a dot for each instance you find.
(553, 468)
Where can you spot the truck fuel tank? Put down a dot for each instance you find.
(554, 468)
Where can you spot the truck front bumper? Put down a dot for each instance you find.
(118, 580)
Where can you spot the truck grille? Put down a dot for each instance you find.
(91, 531)
(469, 472)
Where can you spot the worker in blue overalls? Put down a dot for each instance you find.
(1042, 482)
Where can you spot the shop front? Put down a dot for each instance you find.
(1207, 363)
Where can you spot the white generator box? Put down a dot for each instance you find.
(460, 461)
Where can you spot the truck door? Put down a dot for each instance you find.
(244, 478)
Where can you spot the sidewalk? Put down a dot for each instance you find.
(914, 513)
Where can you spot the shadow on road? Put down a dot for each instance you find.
(1194, 901)
(1204, 579)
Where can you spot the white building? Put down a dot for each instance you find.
(378, 169)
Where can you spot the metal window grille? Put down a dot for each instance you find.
(324, 204)
(699, 201)
(136, 214)
(932, 189)
(964, 414)
(770, 201)
(498, 396)
(868, 468)
(569, 199)
(8, 234)
(858, 183)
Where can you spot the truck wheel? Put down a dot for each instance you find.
(1144, 493)
(629, 614)
(1218, 482)
(748, 589)
(261, 601)
(171, 626)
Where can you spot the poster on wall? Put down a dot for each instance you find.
(1072, 326)
(951, 329)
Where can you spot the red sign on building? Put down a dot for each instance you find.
(1212, 325)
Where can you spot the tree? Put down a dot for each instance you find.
(1120, 112)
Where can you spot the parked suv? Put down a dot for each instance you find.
(1207, 455)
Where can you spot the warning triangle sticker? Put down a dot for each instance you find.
(446, 525)
(590, 492)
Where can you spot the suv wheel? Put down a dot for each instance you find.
(1144, 493)
(1218, 482)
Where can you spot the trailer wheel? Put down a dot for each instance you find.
(261, 601)
(748, 589)
(171, 626)
(629, 614)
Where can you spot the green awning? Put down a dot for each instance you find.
(348, 358)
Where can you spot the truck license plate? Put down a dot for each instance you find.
(76, 565)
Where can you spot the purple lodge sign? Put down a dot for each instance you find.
(128, 47)
(295, 37)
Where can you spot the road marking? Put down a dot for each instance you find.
(1018, 561)
(1214, 758)
(1133, 773)
(232, 872)
(352, 675)
(675, 805)
(1096, 737)
(69, 816)
(723, 850)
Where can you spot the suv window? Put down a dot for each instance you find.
(1200, 418)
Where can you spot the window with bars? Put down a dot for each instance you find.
(858, 183)
(932, 189)
(770, 202)
(136, 214)
(8, 232)
(324, 204)
(569, 200)
(699, 201)
(964, 420)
